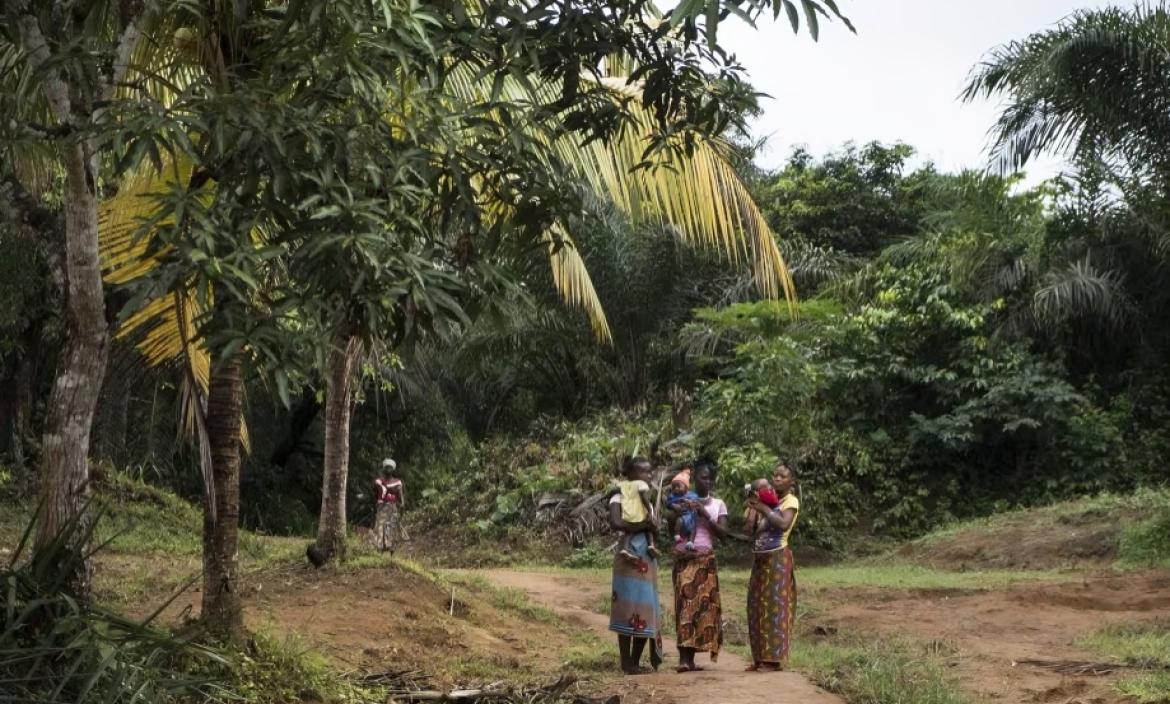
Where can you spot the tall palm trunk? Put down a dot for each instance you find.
(222, 608)
(82, 366)
(331, 528)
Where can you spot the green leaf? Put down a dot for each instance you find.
(282, 387)
(793, 16)
(810, 16)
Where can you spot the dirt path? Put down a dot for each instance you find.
(723, 682)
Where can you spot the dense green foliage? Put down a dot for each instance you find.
(960, 368)
(963, 344)
(983, 359)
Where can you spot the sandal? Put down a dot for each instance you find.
(683, 668)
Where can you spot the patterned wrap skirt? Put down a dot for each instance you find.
(388, 529)
(635, 610)
(771, 606)
(698, 613)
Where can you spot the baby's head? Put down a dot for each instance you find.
(762, 488)
(681, 483)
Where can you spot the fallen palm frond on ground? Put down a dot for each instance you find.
(499, 692)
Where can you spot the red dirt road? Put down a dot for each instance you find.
(724, 682)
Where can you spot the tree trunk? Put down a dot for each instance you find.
(222, 609)
(300, 420)
(26, 380)
(331, 527)
(65, 447)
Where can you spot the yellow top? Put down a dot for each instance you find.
(789, 502)
(633, 508)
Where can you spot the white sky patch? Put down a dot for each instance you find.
(897, 79)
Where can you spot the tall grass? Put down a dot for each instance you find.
(1140, 645)
(1146, 543)
(869, 671)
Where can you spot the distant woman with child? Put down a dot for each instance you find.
(771, 607)
(698, 613)
(634, 611)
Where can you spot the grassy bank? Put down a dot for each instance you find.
(1145, 647)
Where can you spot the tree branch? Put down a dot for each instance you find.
(133, 13)
(38, 52)
(34, 222)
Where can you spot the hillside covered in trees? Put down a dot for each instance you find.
(252, 250)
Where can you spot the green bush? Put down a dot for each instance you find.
(1146, 543)
(591, 555)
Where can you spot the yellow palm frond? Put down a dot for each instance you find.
(164, 329)
(698, 193)
(572, 281)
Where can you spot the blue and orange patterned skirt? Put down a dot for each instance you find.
(771, 606)
(635, 610)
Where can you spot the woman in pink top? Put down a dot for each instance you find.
(390, 495)
(697, 611)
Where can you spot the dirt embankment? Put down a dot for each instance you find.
(1057, 537)
(375, 620)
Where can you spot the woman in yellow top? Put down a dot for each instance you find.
(771, 607)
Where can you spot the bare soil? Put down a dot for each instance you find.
(381, 620)
(724, 682)
(988, 635)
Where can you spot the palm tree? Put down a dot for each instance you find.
(1097, 85)
(696, 189)
(700, 195)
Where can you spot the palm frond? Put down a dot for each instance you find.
(1096, 81)
(572, 281)
(812, 266)
(1082, 291)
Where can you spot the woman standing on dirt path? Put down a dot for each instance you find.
(390, 495)
(698, 614)
(771, 606)
(634, 613)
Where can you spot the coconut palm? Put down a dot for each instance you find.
(694, 188)
(1096, 87)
